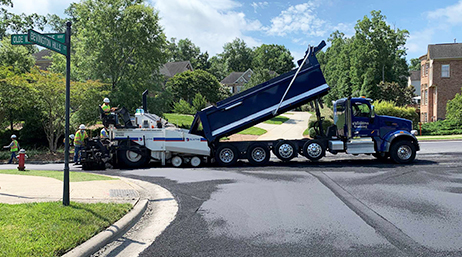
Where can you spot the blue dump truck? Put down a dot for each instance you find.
(356, 130)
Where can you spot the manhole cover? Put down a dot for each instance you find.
(126, 193)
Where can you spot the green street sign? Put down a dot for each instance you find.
(45, 41)
(21, 39)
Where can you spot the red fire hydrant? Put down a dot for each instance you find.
(22, 160)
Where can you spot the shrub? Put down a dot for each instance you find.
(183, 107)
(199, 102)
(442, 127)
(453, 108)
(389, 108)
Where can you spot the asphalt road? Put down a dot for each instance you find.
(341, 206)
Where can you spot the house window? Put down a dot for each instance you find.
(426, 97)
(425, 117)
(426, 68)
(445, 71)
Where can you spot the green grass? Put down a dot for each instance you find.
(253, 131)
(448, 137)
(73, 176)
(306, 132)
(180, 120)
(278, 120)
(51, 229)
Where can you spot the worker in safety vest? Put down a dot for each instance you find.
(106, 107)
(79, 142)
(14, 148)
(103, 134)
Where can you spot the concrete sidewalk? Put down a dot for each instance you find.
(291, 129)
(15, 189)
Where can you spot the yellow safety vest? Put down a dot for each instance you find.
(106, 107)
(80, 137)
(103, 133)
(14, 147)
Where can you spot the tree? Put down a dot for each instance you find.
(393, 92)
(218, 68)
(275, 58)
(119, 42)
(11, 22)
(237, 55)
(259, 76)
(17, 57)
(453, 108)
(186, 50)
(187, 84)
(356, 65)
(415, 64)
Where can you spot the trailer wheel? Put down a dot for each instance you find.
(133, 157)
(258, 154)
(402, 151)
(313, 150)
(226, 155)
(195, 161)
(285, 150)
(177, 161)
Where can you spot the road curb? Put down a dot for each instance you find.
(114, 231)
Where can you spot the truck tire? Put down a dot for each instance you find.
(285, 150)
(402, 151)
(177, 161)
(226, 155)
(314, 150)
(258, 154)
(196, 161)
(133, 157)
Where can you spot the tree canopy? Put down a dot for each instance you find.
(272, 57)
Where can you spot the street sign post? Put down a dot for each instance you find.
(21, 39)
(60, 43)
(46, 41)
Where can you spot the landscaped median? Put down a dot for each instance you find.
(49, 228)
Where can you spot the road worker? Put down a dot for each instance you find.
(14, 148)
(79, 142)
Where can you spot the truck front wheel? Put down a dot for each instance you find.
(402, 151)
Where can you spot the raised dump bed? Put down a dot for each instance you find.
(264, 101)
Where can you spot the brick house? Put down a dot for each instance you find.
(441, 79)
(236, 80)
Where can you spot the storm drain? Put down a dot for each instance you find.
(124, 193)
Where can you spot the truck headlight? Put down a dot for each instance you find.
(414, 132)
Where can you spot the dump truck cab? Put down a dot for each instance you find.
(358, 129)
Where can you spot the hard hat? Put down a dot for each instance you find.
(82, 126)
(106, 100)
(13, 136)
(71, 136)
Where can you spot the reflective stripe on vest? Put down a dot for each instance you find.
(14, 147)
(103, 133)
(106, 107)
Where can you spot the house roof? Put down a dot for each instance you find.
(445, 51)
(232, 78)
(415, 75)
(39, 56)
(170, 69)
(235, 77)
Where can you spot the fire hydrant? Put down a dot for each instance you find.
(22, 160)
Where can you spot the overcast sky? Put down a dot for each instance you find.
(211, 23)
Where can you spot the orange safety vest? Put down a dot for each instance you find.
(15, 146)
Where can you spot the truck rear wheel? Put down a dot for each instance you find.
(314, 150)
(177, 161)
(285, 150)
(258, 154)
(402, 151)
(226, 155)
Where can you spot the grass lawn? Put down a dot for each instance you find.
(446, 137)
(180, 120)
(253, 131)
(51, 229)
(73, 176)
(278, 120)
(306, 132)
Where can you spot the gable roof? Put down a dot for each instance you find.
(235, 77)
(445, 51)
(170, 69)
(40, 59)
(415, 75)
